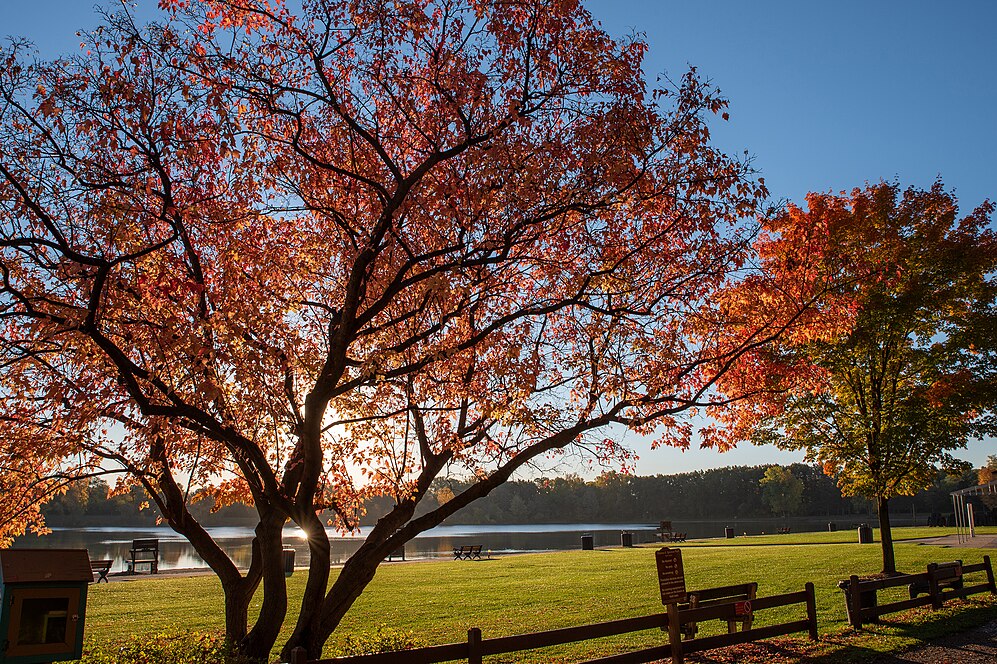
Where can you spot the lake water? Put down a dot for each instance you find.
(112, 543)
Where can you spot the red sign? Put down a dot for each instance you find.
(742, 608)
(671, 576)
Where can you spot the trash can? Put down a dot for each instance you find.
(288, 562)
(627, 539)
(587, 542)
(865, 534)
(832, 527)
(729, 532)
(867, 600)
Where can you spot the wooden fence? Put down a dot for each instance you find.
(861, 599)
(477, 647)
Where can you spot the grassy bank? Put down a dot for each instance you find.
(439, 601)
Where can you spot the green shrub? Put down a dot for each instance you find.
(382, 639)
(174, 647)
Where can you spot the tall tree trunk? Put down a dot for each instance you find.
(889, 561)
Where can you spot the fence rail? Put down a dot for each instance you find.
(860, 596)
(476, 647)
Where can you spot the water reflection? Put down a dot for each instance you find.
(112, 543)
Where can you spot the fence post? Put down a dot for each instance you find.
(675, 633)
(936, 592)
(474, 646)
(990, 575)
(855, 615)
(811, 611)
(299, 656)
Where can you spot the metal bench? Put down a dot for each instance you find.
(101, 568)
(467, 552)
(143, 552)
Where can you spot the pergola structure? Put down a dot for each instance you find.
(964, 524)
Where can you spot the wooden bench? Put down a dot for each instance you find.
(784, 531)
(942, 581)
(947, 575)
(671, 536)
(143, 552)
(467, 552)
(101, 568)
(740, 595)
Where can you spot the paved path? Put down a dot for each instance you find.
(977, 646)
(978, 542)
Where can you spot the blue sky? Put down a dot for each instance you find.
(825, 95)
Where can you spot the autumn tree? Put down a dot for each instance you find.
(781, 490)
(986, 475)
(888, 391)
(299, 260)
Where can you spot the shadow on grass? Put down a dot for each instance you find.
(965, 634)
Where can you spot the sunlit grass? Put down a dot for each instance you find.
(849, 535)
(440, 601)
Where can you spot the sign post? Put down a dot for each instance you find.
(671, 582)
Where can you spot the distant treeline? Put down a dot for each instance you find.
(721, 493)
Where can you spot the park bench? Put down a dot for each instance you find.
(467, 552)
(947, 575)
(397, 553)
(143, 552)
(740, 595)
(941, 582)
(101, 568)
(676, 537)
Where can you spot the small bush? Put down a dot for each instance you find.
(382, 639)
(175, 647)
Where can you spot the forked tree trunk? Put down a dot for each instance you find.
(312, 633)
(238, 589)
(889, 560)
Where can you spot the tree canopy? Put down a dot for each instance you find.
(782, 491)
(302, 259)
(884, 395)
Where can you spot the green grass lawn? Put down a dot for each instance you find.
(439, 601)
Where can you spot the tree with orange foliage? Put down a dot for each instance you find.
(301, 260)
(884, 393)
(986, 475)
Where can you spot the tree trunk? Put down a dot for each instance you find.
(356, 575)
(889, 561)
(319, 564)
(238, 590)
(260, 640)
